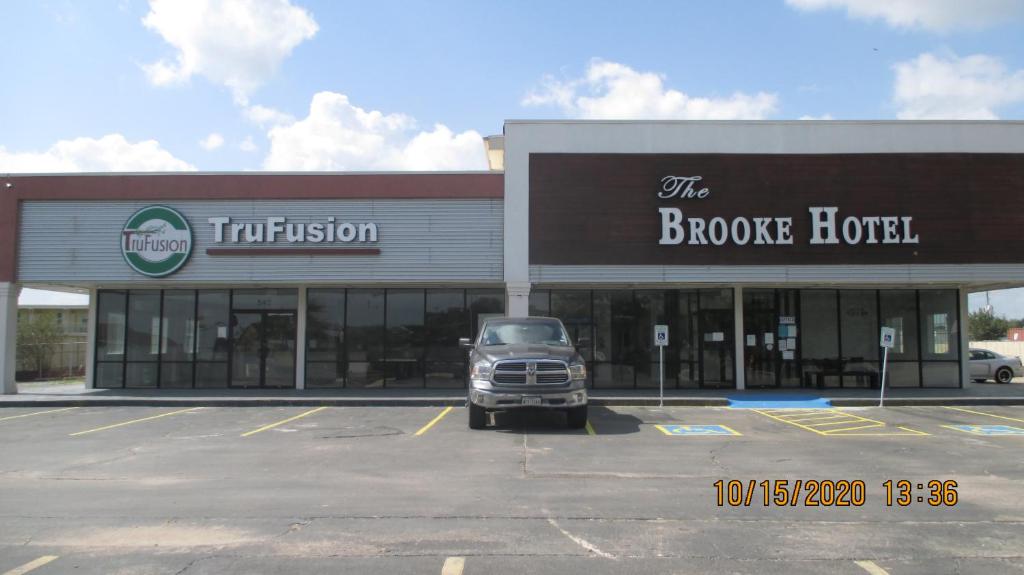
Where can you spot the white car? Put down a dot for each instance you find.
(987, 365)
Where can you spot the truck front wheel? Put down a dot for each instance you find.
(477, 416)
(576, 417)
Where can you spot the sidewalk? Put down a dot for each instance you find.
(70, 395)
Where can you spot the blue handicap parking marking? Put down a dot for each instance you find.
(988, 429)
(696, 430)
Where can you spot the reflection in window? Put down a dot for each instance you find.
(404, 319)
(325, 338)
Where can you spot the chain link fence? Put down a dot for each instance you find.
(65, 359)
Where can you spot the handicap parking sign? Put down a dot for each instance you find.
(696, 430)
(988, 429)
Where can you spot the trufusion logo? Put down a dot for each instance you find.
(156, 241)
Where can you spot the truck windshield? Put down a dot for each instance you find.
(534, 332)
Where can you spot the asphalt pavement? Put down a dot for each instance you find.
(375, 490)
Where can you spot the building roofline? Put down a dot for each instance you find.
(776, 122)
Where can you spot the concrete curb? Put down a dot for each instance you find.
(461, 400)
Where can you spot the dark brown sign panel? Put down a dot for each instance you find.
(775, 209)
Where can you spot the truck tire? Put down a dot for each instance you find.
(576, 417)
(477, 416)
(1004, 375)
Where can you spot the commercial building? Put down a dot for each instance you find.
(774, 251)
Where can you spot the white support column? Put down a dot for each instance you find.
(740, 369)
(300, 342)
(90, 338)
(8, 335)
(965, 340)
(518, 299)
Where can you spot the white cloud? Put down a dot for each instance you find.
(969, 88)
(111, 153)
(821, 117)
(934, 15)
(212, 142)
(264, 116)
(247, 145)
(337, 135)
(610, 90)
(237, 43)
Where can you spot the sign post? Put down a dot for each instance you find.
(661, 340)
(887, 340)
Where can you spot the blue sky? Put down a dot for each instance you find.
(132, 85)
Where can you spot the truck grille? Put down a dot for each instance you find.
(543, 372)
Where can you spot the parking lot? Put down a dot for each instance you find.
(413, 490)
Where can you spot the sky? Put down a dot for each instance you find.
(176, 85)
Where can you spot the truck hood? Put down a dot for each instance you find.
(493, 353)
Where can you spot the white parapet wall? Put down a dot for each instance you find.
(1010, 348)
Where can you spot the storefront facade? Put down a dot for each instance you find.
(774, 251)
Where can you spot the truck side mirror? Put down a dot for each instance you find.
(465, 343)
(582, 343)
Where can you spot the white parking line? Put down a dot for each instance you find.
(31, 565)
(453, 566)
(870, 567)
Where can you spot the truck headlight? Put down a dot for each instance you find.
(578, 371)
(481, 370)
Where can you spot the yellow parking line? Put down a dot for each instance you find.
(453, 566)
(844, 418)
(840, 422)
(842, 429)
(590, 429)
(820, 418)
(983, 413)
(284, 421)
(31, 565)
(36, 413)
(662, 429)
(783, 420)
(123, 423)
(427, 427)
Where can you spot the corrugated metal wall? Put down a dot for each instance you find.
(420, 241)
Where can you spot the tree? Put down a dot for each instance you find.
(39, 336)
(985, 326)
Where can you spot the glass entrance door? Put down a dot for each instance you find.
(716, 347)
(760, 345)
(263, 349)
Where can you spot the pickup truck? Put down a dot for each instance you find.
(530, 362)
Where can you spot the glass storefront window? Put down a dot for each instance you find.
(404, 345)
(858, 310)
(899, 311)
(110, 325)
(940, 333)
(445, 321)
(177, 342)
(325, 338)
(819, 333)
(573, 308)
(365, 337)
(540, 303)
(484, 304)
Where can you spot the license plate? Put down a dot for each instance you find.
(531, 401)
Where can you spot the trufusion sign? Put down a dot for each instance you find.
(279, 229)
(156, 241)
(827, 226)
